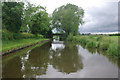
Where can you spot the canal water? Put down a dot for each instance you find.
(59, 60)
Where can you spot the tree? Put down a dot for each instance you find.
(29, 11)
(40, 24)
(12, 15)
(67, 18)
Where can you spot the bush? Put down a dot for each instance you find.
(113, 50)
(91, 44)
(70, 37)
(104, 46)
(98, 44)
(16, 35)
(6, 35)
(99, 38)
(40, 36)
(83, 41)
(27, 35)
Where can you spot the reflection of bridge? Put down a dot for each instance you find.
(57, 42)
(59, 36)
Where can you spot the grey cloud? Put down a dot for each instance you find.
(101, 19)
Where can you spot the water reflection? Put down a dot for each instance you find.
(12, 69)
(66, 59)
(53, 60)
(114, 61)
(37, 62)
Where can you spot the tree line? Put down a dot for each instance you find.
(26, 17)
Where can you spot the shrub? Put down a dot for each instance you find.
(70, 37)
(6, 35)
(27, 35)
(83, 41)
(113, 50)
(99, 38)
(16, 35)
(40, 36)
(91, 44)
(75, 39)
(104, 46)
(98, 45)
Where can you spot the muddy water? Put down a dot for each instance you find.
(60, 60)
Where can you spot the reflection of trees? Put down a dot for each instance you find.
(12, 70)
(67, 60)
(91, 50)
(115, 61)
(38, 61)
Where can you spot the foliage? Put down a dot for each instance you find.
(118, 34)
(106, 43)
(91, 44)
(70, 37)
(27, 35)
(40, 24)
(98, 44)
(104, 46)
(83, 41)
(29, 11)
(40, 36)
(67, 18)
(113, 50)
(18, 17)
(13, 44)
(12, 15)
(6, 35)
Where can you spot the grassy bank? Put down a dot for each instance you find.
(13, 44)
(106, 43)
(21, 52)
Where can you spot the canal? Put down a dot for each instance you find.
(59, 60)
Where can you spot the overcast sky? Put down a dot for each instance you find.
(100, 15)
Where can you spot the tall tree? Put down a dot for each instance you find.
(29, 11)
(12, 15)
(40, 24)
(67, 18)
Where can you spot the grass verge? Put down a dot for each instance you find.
(14, 44)
(106, 43)
(22, 52)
